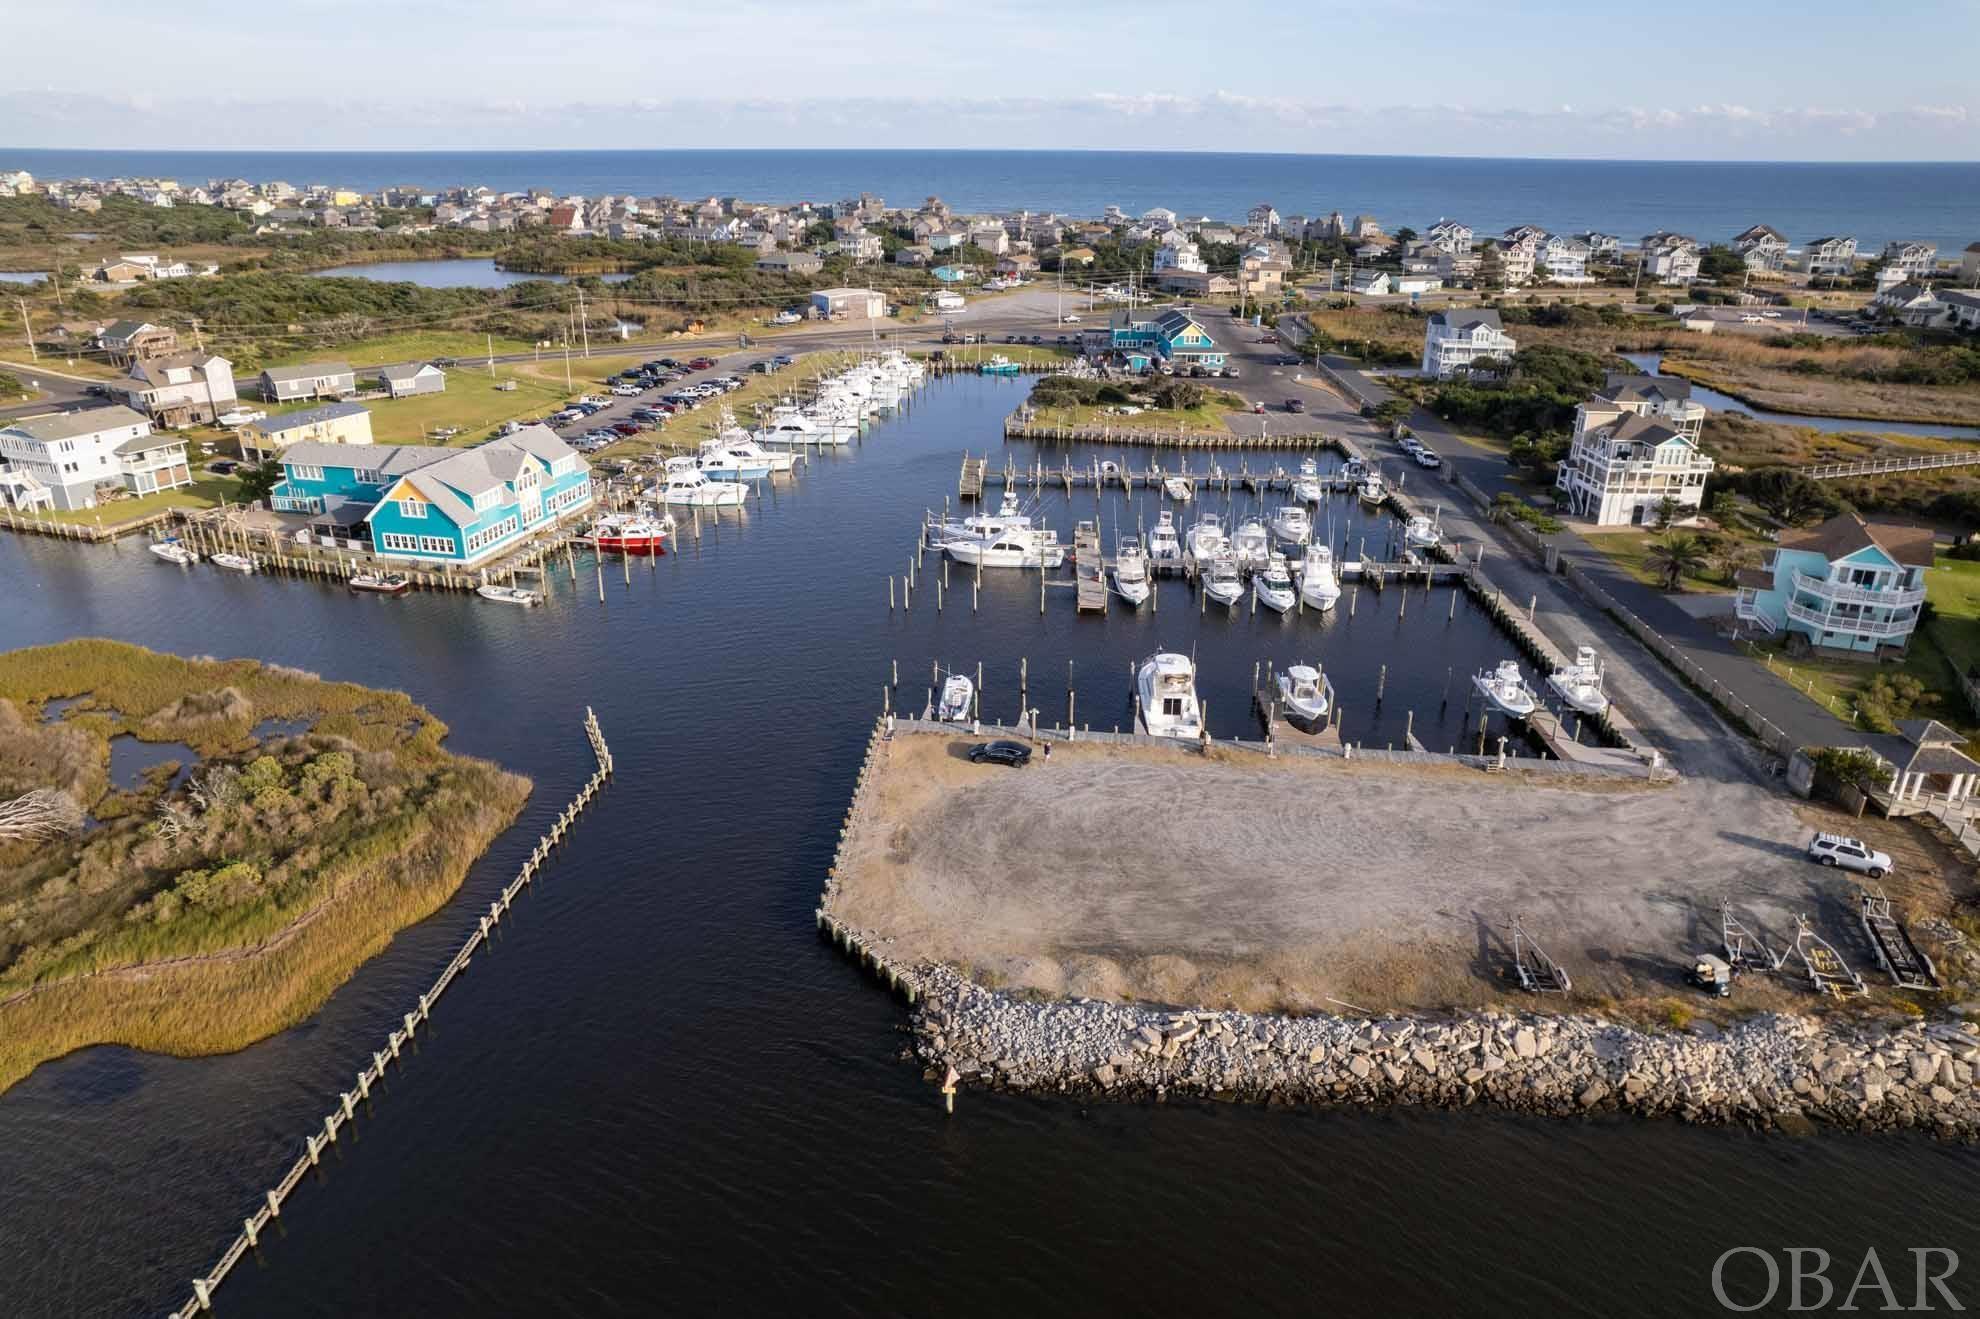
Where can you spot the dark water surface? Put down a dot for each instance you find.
(659, 1092)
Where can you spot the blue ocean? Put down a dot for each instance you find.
(1711, 200)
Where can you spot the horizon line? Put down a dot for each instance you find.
(1882, 162)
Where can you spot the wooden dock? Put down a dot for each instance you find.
(1090, 568)
(398, 1039)
(1022, 428)
(1279, 729)
(970, 484)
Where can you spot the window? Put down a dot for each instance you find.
(298, 472)
(392, 540)
(412, 508)
(436, 545)
(368, 476)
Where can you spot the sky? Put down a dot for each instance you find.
(1685, 80)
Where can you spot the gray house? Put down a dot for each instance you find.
(408, 378)
(285, 384)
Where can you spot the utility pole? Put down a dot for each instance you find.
(27, 328)
(491, 355)
(199, 340)
(584, 326)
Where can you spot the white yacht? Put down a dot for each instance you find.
(1422, 532)
(1010, 516)
(1505, 689)
(1292, 524)
(1224, 584)
(1131, 571)
(685, 483)
(1317, 587)
(1164, 545)
(1275, 585)
(958, 699)
(719, 462)
(1580, 684)
(1206, 538)
(1253, 544)
(740, 445)
(1019, 547)
(1353, 470)
(238, 562)
(1373, 490)
(172, 551)
(1166, 687)
(1306, 694)
(789, 425)
(1306, 486)
(508, 595)
(1178, 489)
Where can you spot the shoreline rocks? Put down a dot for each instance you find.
(1773, 1070)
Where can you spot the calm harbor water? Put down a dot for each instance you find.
(1710, 199)
(452, 272)
(1718, 402)
(660, 1089)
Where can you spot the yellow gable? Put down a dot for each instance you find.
(403, 490)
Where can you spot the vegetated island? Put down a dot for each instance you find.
(214, 898)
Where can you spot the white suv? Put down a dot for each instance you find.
(1849, 853)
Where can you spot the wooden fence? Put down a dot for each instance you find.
(344, 1111)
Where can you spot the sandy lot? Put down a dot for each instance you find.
(1155, 874)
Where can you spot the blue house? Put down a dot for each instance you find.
(1845, 585)
(458, 507)
(1172, 335)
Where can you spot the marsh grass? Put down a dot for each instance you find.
(244, 922)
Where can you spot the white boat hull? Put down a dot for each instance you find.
(1276, 598)
(1134, 590)
(1579, 695)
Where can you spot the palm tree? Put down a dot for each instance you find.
(1674, 558)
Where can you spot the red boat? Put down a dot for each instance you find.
(630, 533)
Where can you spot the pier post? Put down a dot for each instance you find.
(311, 1144)
(202, 1293)
(248, 1231)
(274, 1205)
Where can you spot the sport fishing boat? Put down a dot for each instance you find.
(1225, 584)
(1422, 532)
(1131, 571)
(1505, 689)
(720, 463)
(381, 583)
(687, 484)
(631, 533)
(238, 562)
(1373, 490)
(1292, 524)
(740, 447)
(1317, 587)
(508, 595)
(958, 699)
(998, 365)
(1580, 684)
(172, 551)
(1306, 694)
(1178, 489)
(1010, 516)
(1206, 538)
(1018, 547)
(1165, 686)
(1353, 470)
(1275, 585)
(1164, 545)
(1306, 486)
(1252, 544)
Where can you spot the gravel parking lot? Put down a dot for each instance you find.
(1157, 874)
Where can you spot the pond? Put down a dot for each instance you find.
(452, 272)
(130, 758)
(1652, 364)
(22, 276)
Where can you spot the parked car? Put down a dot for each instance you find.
(1425, 458)
(225, 467)
(701, 364)
(593, 398)
(1850, 854)
(783, 359)
(626, 391)
(1295, 405)
(1258, 406)
(1002, 752)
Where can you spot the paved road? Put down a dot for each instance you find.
(1716, 655)
(59, 392)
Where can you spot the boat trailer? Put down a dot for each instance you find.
(1537, 972)
(1907, 966)
(1744, 950)
(1827, 972)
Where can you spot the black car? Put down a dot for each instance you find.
(1003, 752)
(1295, 405)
